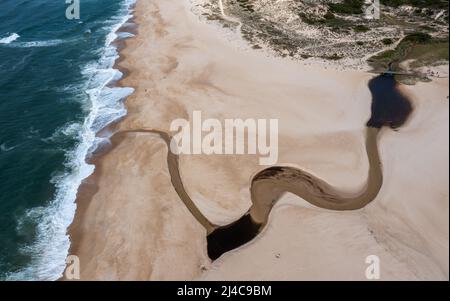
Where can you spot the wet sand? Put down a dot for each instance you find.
(133, 225)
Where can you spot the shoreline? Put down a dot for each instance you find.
(83, 238)
(98, 103)
(88, 186)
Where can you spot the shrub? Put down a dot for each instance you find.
(347, 7)
(361, 28)
(387, 41)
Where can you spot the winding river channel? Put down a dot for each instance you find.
(390, 108)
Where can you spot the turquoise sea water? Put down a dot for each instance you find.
(54, 96)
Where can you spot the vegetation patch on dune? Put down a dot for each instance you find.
(347, 7)
(340, 29)
(421, 48)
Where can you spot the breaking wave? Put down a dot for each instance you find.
(9, 39)
(105, 105)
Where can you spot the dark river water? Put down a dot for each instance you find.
(389, 106)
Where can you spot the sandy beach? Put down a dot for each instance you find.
(132, 221)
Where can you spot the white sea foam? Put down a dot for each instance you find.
(5, 148)
(69, 130)
(9, 39)
(105, 105)
(125, 35)
(46, 43)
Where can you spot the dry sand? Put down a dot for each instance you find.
(131, 223)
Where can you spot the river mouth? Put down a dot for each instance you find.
(389, 108)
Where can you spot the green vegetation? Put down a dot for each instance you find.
(333, 57)
(246, 5)
(329, 20)
(426, 28)
(355, 6)
(346, 18)
(329, 16)
(348, 7)
(417, 38)
(419, 47)
(387, 41)
(428, 54)
(361, 28)
(441, 4)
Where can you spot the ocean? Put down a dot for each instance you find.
(56, 92)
